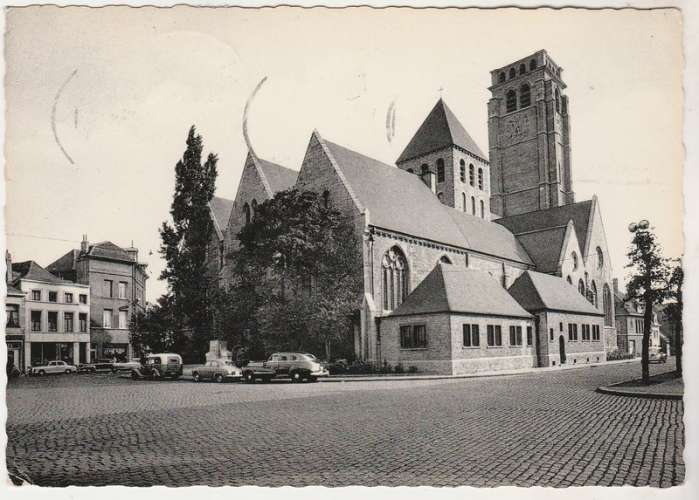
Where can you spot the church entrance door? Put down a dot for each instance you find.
(562, 348)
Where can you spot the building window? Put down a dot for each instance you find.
(595, 332)
(395, 278)
(525, 96)
(600, 258)
(36, 321)
(246, 213)
(471, 336)
(558, 101)
(480, 179)
(326, 195)
(471, 174)
(551, 334)
(83, 298)
(107, 290)
(532, 65)
(463, 201)
(413, 337)
(560, 326)
(36, 295)
(510, 101)
(122, 320)
(473, 205)
(529, 335)
(122, 289)
(501, 77)
(572, 332)
(424, 169)
(522, 69)
(515, 335)
(53, 296)
(593, 295)
(83, 322)
(253, 209)
(68, 322)
(440, 196)
(107, 318)
(569, 280)
(574, 257)
(581, 287)
(444, 259)
(494, 335)
(462, 171)
(12, 311)
(585, 332)
(53, 321)
(440, 170)
(513, 73)
(68, 298)
(564, 105)
(482, 210)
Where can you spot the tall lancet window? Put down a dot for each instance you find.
(246, 212)
(395, 278)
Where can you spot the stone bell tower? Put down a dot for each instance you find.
(529, 136)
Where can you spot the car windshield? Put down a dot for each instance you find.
(228, 363)
(310, 356)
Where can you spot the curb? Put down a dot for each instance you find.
(613, 391)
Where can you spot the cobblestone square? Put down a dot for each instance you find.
(545, 429)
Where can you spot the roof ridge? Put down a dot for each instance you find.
(541, 230)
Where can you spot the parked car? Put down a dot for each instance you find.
(298, 366)
(656, 355)
(100, 365)
(53, 367)
(126, 365)
(158, 366)
(219, 370)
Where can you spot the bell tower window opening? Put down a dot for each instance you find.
(462, 171)
(480, 179)
(510, 101)
(532, 65)
(501, 77)
(440, 170)
(525, 96)
(558, 101)
(513, 73)
(522, 68)
(395, 278)
(471, 174)
(600, 258)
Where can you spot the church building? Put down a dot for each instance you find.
(471, 262)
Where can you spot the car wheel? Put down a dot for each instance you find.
(218, 378)
(250, 377)
(267, 380)
(196, 377)
(296, 377)
(42, 373)
(69, 371)
(134, 375)
(313, 379)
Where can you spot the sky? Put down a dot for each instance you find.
(99, 102)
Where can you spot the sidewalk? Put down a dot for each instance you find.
(662, 386)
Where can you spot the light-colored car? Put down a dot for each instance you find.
(157, 366)
(53, 367)
(218, 370)
(126, 365)
(655, 355)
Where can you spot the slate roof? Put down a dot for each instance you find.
(279, 178)
(30, 270)
(457, 290)
(537, 291)
(580, 213)
(544, 247)
(439, 130)
(108, 250)
(220, 212)
(64, 264)
(399, 201)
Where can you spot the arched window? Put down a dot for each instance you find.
(480, 178)
(463, 201)
(581, 287)
(558, 101)
(410, 171)
(574, 257)
(513, 73)
(593, 290)
(424, 169)
(522, 69)
(440, 170)
(253, 209)
(564, 105)
(501, 77)
(607, 304)
(482, 210)
(525, 96)
(600, 258)
(462, 170)
(510, 101)
(569, 280)
(326, 198)
(440, 196)
(246, 211)
(473, 205)
(471, 174)
(532, 65)
(444, 259)
(395, 278)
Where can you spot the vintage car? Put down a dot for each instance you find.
(157, 366)
(218, 370)
(656, 355)
(297, 366)
(126, 365)
(52, 367)
(100, 365)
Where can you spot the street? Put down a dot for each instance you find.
(545, 429)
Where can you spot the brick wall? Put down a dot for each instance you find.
(436, 358)
(577, 352)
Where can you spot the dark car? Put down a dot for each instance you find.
(297, 366)
(157, 366)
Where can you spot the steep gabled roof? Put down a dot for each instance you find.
(66, 263)
(440, 129)
(108, 250)
(30, 270)
(457, 290)
(279, 178)
(220, 209)
(538, 291)
(544, 247)
(580, 213)
(399, 201)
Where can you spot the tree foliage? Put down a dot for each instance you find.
(184, 241)
(299, 273)
(152, 330)
(674, 312)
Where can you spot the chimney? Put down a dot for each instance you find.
(133, 252)
(615, 286)
(84, 245)
(8, 263)
(429, 179)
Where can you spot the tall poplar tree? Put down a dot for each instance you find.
(184, 243)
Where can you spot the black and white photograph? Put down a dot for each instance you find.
(340, 247)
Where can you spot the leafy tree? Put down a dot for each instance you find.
(152, 330)
(674, 312)
(300, 265)
(648, 284)
(184, 242)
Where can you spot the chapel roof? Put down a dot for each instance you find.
(220, 212)
(30, 270)
(451, 289)
(399, 201)
(440, 129)
(279, 178)
(544, 247)
(538, 291)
